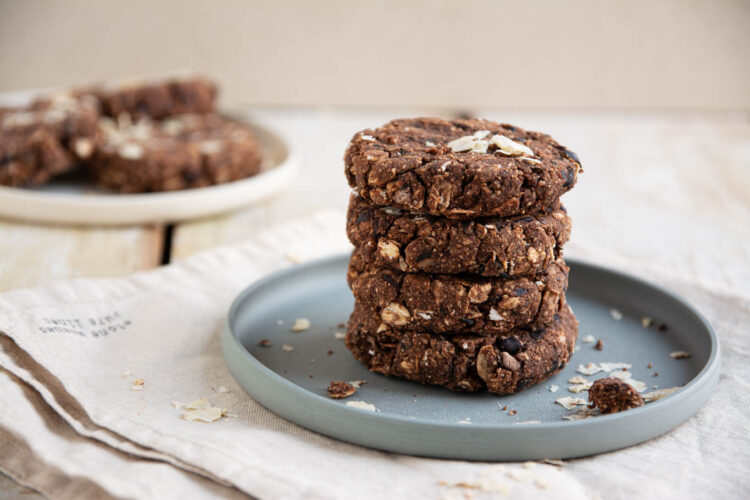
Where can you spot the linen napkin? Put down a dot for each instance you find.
(118, 359)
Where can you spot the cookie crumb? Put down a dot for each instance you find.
(646, 322)
(287, 348)
(138, 385)
(358, 383)
(612, 395)
(679, 355)
(201, 410)
(588, 339)
(616, 315)
(656, 374)
(599, 345)
(650, 365)
(663, 328)
(338, 389)
(541, 483)
(264, 343)
(505, 407)
(329, 352)
(553, 388)
(339, 335)
(300, 325)
(512, 412)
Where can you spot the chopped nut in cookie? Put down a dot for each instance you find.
(395, 314)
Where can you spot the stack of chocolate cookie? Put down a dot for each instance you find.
(457, 270)
(130, 137)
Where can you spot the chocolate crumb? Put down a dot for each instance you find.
(338, 389)
(663, 328)
(264, 342)
(329, 352)
(656, 374)
(599, 345)
(612, 395)
(341, 325)
(512, 412)
(505, 407)
(311, 376)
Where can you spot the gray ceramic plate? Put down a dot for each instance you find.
(430, 421)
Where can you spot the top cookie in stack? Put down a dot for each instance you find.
(457, 272)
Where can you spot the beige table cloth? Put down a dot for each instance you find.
(76, 423)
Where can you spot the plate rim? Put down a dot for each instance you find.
(704, 381)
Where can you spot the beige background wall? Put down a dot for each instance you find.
(458, 53)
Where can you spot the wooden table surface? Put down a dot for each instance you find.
(672, 189)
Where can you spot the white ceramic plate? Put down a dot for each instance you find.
(77, 201)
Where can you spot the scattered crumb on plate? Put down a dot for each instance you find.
(679, 355)
(361, 405)
(569, 403)
(616, 315)
(338, 389)
(300, 325)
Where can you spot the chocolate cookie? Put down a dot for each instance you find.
(46, 139)
(411, 242)
(156, 99)
(460, 169)
(451, 304)
(182, 152)
(612, 395)
(503, 365)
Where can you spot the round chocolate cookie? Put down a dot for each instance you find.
(451, 304)
(182, 152)
(46, 139)
(460, 169)
(410, 242)
(156, 99)
(503, 365)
